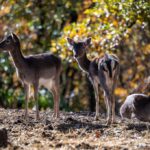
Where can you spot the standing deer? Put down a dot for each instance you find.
(36, 70)
(101, 71)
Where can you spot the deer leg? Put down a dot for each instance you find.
(113, 100)
(113, 109)
(57, 103)
(54, 115)
(57, 97)
(57, 106)
(95, 85)
(27, 91)
(106, 103)
(35, 86)
(53, 87)
(108, 107)
(54, 98)
(55, 93)
(109, 112)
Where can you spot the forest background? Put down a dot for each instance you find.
(121, 27)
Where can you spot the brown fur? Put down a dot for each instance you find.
(36, 70)
(99, 75)
(137, 106)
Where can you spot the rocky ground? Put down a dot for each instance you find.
(71, 131)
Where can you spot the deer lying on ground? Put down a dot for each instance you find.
(36, 70)
(136, 106)
(101, 71)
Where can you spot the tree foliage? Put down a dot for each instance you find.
(120, 27)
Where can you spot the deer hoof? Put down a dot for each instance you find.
(96, 118)
(26, 119)
(108, 122)
(57, 116)
(37, 118)
(113, 121)
(53, 115)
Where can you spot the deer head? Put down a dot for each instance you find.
(79, 48)
(9, 43)
(125, 111)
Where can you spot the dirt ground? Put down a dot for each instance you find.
(71, 131)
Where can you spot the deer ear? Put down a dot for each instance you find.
(88, 41)
(106, 56)
(70, 41)
(14, 37)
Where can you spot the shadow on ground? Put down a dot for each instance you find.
(70, 131)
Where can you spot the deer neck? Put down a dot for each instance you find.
(84, 63)
(18, 58)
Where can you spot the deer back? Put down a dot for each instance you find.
(108, 71)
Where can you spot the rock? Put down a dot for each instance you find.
(3, 137)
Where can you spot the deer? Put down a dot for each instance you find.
(136, 106)
(102, 71)
(34, 70)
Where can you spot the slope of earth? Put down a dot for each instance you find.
(71, 131)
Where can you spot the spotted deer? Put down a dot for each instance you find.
(102, 71)
(36, 70)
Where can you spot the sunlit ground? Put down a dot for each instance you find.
(72, 131)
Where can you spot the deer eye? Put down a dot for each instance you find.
(7, 41)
